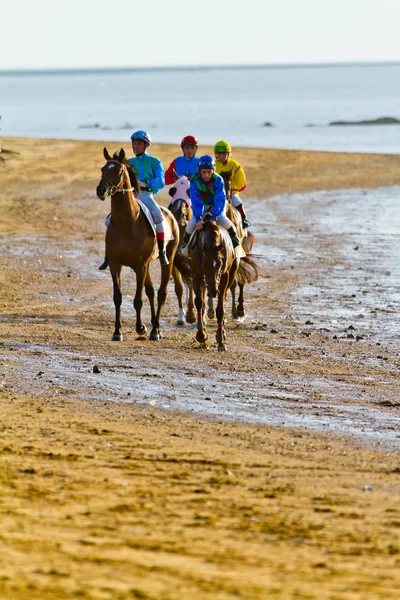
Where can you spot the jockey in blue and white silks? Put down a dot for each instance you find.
(207, 193)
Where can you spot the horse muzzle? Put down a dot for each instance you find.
(101, 191)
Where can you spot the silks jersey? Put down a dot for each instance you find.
(238, 177)
(149, 169)
(207, 196)
(181, 166)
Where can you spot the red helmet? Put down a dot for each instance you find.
(189, 139)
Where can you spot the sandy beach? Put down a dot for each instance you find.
(109, 490)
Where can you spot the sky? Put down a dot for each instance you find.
(45, 34)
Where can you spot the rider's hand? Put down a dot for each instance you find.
(142, 184)
(199, 225)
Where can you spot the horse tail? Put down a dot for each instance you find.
(249, 270)
(182, 263)
(248, 242)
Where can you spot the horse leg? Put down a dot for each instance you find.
(220, 335)
(235, 314)
(141, 276)
(190, 315)
(179, 294)
(199, 290)
(166, 271)
(241, 301)
(210, 309)
(117, 297)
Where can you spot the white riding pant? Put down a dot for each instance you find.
(221, 220)
(148, 200)
(236, 201)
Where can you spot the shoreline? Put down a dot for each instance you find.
(106, 497)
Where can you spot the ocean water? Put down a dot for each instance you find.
(211, 103)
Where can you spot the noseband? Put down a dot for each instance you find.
(113, 189)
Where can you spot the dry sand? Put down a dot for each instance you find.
(105, 496)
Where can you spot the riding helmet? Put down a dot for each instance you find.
(222, 146)
(206, 162)
(141, 135)
(189, 140)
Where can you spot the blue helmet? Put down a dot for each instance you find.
(141, 135)
(206, 162)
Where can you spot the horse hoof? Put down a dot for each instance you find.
(211, 314)
(240, 314)
(117, 337)
(191, 320)
(155, 337)
(180, 323)
(201, 338)
(222, 348)
(142, 331)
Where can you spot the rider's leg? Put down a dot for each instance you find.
(104, 265)
(237, 203)
(229, 226)
(190, 227)
(148, 200)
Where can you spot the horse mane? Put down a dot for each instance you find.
(132, 173)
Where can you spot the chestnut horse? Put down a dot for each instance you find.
(131, 242)
(214, 266)
(181, 208)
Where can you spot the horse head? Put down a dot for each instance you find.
(116, 177)
(227, 177)
(212, 246)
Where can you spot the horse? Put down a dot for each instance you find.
(131, 242)
(214, 267)
(248, 270)
(181, 208)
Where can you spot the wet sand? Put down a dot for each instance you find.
(107, 490)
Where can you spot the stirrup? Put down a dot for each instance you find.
(245, 223)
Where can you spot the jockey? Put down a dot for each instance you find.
(224, 163)
(150, 173)
(207, 193)
(185, 164)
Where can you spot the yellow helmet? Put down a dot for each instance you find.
(222, 146)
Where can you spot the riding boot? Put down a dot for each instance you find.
(104, 266)
(185, 242)
(245, 222)
(234, 237)
(161, 252)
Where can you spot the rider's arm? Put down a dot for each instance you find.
(239, 179)
(157, 181)
(169, 173)
(219, 196)
(197, 203)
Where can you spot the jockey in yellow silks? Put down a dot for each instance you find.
(226, 164)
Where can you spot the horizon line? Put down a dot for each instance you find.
(115, 69)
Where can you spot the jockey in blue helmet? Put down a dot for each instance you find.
(207, 193)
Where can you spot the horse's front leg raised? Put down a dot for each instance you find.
(199, 291)
(117, 297)
(141, 276)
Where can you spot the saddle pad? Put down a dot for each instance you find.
(166, 225)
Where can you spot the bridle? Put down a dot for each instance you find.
(113, 189)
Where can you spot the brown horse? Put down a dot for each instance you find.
(180, 206)
(131, 242)
(214, 267)
(248, 270)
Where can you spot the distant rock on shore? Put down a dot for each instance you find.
(380, 121)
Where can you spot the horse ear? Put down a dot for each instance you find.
(121, 154)
(106, 155)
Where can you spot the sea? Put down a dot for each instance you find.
(288, 107)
